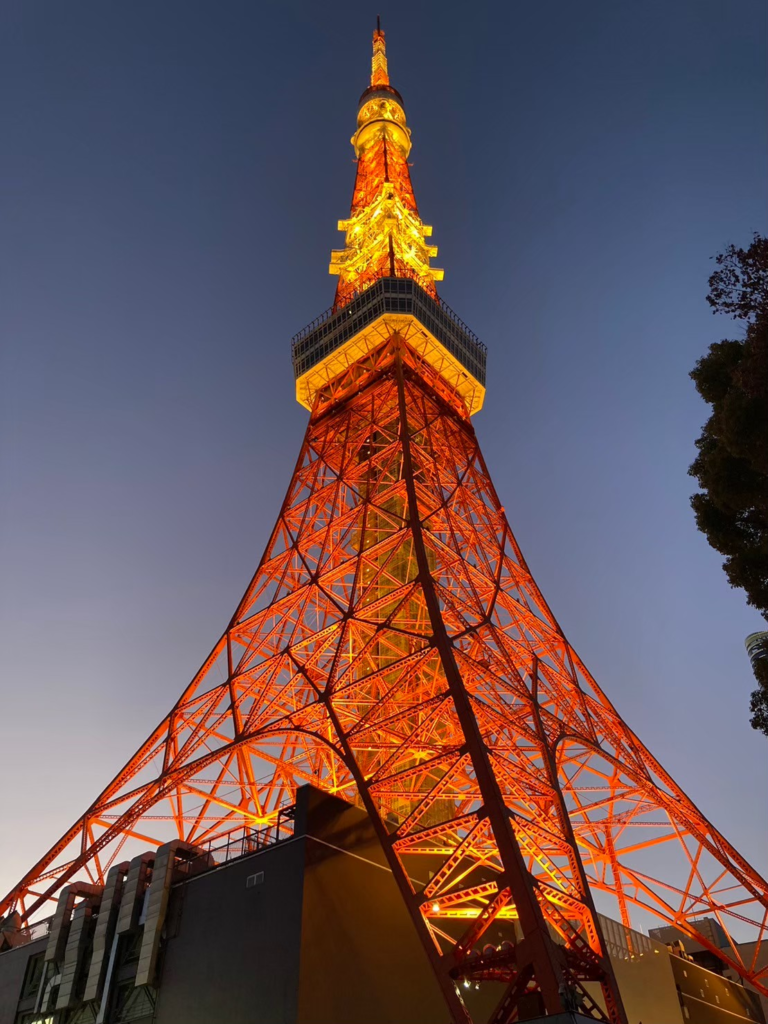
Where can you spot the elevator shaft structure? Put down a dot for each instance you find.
(394, 649)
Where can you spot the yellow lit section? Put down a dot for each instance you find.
(412, 331)
(385, 236)
(385, 232)
(379, 71)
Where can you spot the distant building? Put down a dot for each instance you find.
(707, 926)
(757, 648)
(687, 948)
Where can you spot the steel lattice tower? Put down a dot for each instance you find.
(394, 649)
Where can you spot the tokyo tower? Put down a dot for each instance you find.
(393, 649)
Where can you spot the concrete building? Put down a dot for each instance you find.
(690, 950)
(308, 930)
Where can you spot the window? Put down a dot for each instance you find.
(34, 972)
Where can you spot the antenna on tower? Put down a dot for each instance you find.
(378, 23)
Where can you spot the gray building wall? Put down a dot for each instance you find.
(13, 968)
(747, 951)
(647, 986)
(231, 951)
(361, 958)
(708, 998)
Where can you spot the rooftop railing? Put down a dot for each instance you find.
(241, 841)
(30, 933)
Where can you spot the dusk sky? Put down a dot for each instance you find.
(172, 177)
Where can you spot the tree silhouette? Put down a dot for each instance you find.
(732, 462)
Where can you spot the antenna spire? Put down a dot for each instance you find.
(379, 72)
(385, 236)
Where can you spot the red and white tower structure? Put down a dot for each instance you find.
(394, 649)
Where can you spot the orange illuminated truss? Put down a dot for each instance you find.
(394, 649)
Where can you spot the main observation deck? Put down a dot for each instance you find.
(333, 341)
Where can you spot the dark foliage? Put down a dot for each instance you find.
(758, 703)
(732, 463)
(740, 286)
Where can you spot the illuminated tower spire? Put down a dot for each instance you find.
(385, 237)
(379, 71)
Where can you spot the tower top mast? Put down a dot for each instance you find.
(379, 72)
(386, 282)
(385, 236)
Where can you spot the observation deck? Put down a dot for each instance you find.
(334, 340)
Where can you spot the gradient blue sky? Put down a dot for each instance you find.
(172, 176)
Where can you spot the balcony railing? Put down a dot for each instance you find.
(241, 841)
(30, 933)
(388, 295)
